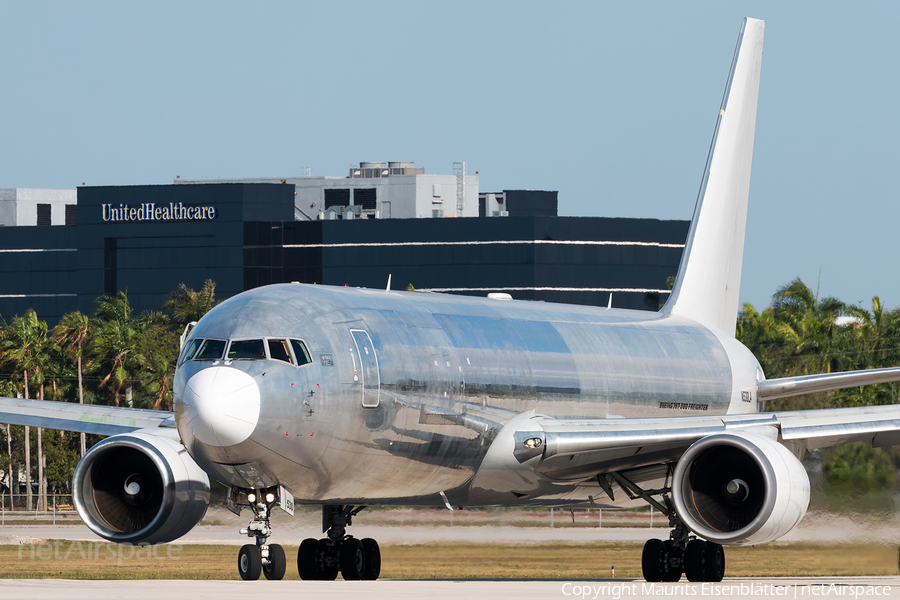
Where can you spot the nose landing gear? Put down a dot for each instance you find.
(261, 558)
(322, 559)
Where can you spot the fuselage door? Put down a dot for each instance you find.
(371, 380)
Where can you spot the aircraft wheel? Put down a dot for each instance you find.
(671, 568)
(249, 562)
(716, 571)
(327, 572)
(373, 559)
(274, 571)
(696, 561)
(653, 560)
(308, 559)
(352, 559)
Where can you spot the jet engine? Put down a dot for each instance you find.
(140, 488)
(740, 488)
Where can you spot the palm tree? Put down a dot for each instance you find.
(8, 389)
(72, 335)
(872, 338)
(118, 341)
(25, 344)
(187, 305)
(809, 324)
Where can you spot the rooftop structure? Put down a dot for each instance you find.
(376, 190)
(25, 206)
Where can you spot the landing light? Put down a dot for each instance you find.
(251, 497)
(534, 442)
(270, 497)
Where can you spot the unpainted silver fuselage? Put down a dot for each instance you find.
(451, 372)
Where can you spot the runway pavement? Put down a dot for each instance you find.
(615, 589)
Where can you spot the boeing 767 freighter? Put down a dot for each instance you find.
(348, 398)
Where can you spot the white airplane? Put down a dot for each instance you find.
(349, 398)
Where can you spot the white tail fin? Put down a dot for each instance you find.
(709, 277)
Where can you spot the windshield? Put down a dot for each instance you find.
(190, 349)
(301, 352)
(211, 350)
(247, 350)
(278, 350)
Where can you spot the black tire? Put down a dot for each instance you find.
(352, 559)
(274, 571)
(308, 559)
(671, 572)
(373, 559)
(652, 560)
(696, 561)
(249, 562)
(716, 571)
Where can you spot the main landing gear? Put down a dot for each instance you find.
(699, 560)
(322, 559)
(261, 558)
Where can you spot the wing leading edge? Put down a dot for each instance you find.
(571, 450)
(82, 418)
(784, 387)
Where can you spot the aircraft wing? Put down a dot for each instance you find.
(772, 389)
(580, 448)
(82, 418)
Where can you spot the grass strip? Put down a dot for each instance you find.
(65, 559)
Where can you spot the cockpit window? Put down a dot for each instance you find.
(301, 353)
(247, 350)
(278, 350)
(211, 350)
(190, 349)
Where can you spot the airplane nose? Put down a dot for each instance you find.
(221, 406)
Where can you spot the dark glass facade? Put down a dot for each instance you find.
(533, 258)
(146, 240)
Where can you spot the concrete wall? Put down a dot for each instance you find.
(8, 208)
(18, 206)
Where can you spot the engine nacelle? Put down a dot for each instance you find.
(740, 488)
(140, 488)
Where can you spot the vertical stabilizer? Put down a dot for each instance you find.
(709, 277)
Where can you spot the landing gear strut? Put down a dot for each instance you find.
(698, 559)
(261, 558)
(322, 559)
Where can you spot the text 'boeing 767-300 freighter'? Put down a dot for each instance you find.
(349, 398)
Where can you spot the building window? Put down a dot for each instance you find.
(43, 215)
(364, 198)
(437, 213)
(71, 214)
(109, 266)
(337, 197)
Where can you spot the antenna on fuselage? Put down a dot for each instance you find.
(609, 304)
(388, 288)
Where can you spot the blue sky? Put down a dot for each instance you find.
(612, 104)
